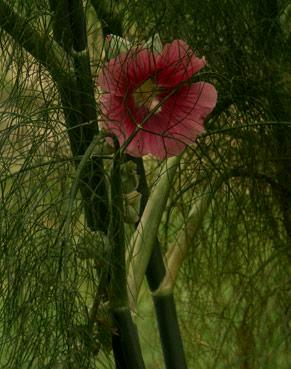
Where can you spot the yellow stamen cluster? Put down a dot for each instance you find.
(146, 95)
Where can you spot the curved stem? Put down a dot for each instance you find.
(143, 239)
(165, 307)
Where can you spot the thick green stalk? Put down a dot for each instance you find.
(79, 105)
(165, 307)
(163, 295)
(125, 342)
(143, 239)
(61, 23)
(169, 330)
(146, 257)
(118, 291)
(156, 268)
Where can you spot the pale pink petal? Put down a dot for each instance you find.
(177, 64)
(147, 143)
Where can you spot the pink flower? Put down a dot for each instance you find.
(148, 103)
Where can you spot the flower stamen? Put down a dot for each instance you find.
(147, 95)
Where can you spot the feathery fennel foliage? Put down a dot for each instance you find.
(233, 288)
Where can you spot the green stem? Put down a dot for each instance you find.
(165, 307)
(118, 292)
(125, 343)
(77, 96)
(144, 238)
(61, 23)
(170, 335)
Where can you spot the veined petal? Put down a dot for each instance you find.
(126, 72)
(141, 66)
(155, 139)
(187, 109)
(112, 78)
(177, 64)
(159, 129)
(112, 107)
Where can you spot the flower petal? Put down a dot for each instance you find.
(166, 130)
(141, 66)
(177, 63)
(167, 133)
(154, 139)
(112, 77)
(164, 146)
(112, 107)
(186, 110)
(126, 72)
